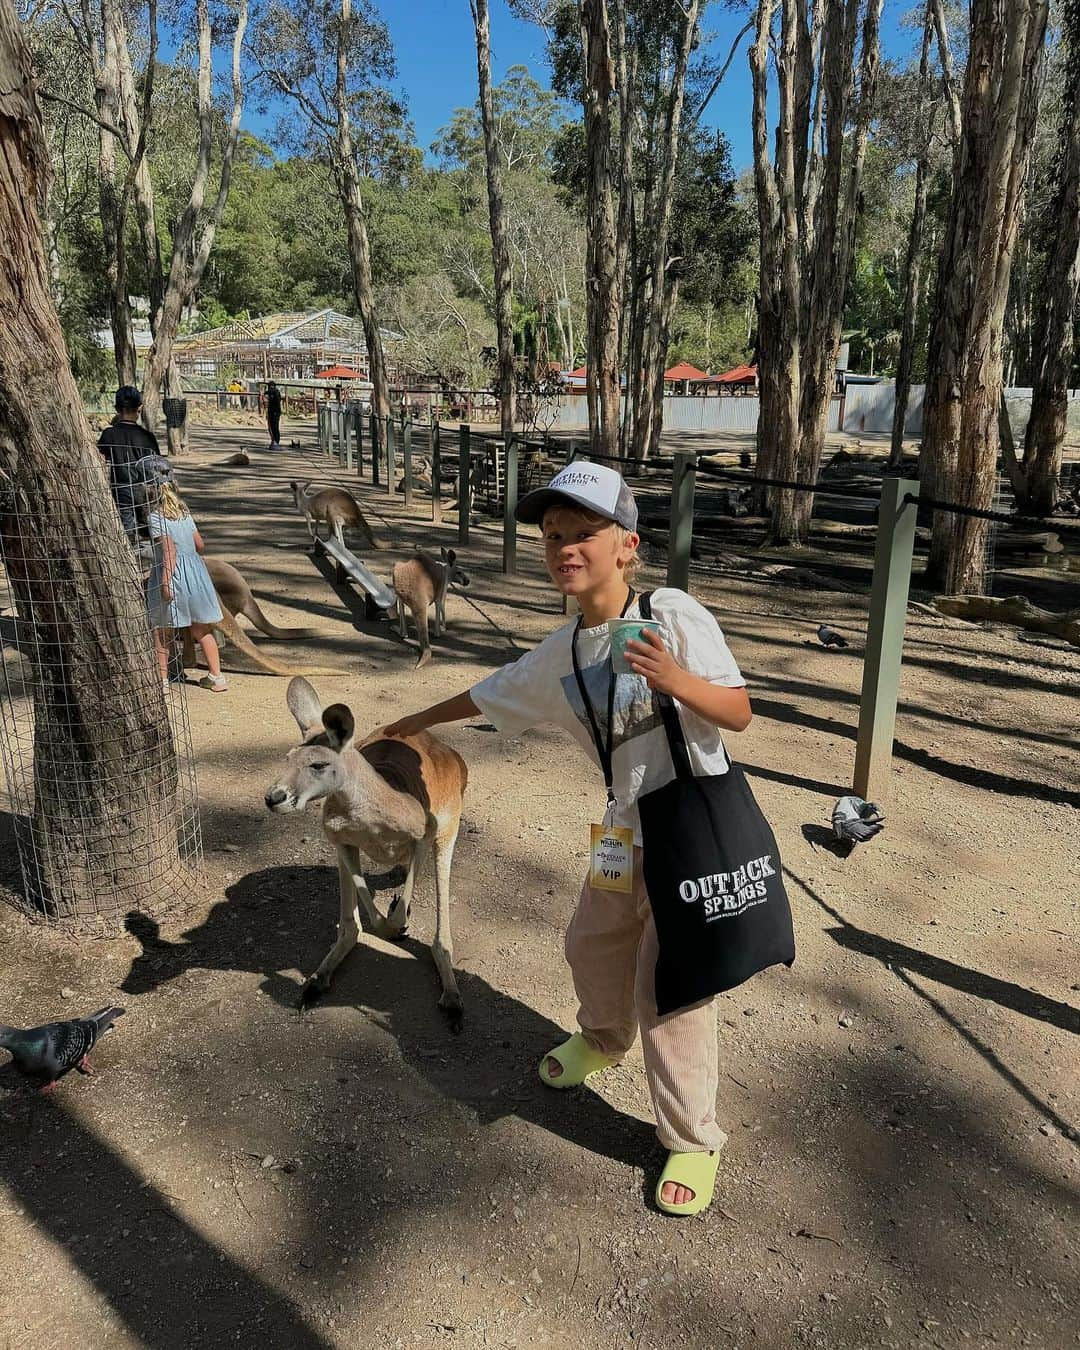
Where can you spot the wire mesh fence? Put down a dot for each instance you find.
(99, 783)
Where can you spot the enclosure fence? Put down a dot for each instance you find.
(99, 788)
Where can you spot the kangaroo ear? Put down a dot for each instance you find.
(449, 555)
(304, 705)
(339, 724)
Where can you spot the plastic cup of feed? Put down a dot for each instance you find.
(623, 631)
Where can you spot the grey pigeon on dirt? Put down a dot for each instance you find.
(46, 1053)
(829, 637)
(856, 821)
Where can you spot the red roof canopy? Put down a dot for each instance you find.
(685, 371)
(737, 376)
(339, 373)
(578, 374)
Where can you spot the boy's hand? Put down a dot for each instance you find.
(407, 726)
(166, 594)
(650, 658)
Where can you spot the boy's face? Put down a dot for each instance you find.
(583, 552)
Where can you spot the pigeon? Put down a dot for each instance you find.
(856, 821)
(46, 1053)
(829, 637)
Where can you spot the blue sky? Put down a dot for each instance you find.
(437, 60)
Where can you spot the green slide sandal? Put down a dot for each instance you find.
(578, 1059)
(697, 1172)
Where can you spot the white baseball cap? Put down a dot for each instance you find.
(594, 486)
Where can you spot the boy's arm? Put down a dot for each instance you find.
(724, 706)
(450, 710)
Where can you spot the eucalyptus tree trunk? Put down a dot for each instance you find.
(807, 209)
(104, 767)
(193, 237)
(602, 281)
(836, 209)
(913, 258)
(964, 384)
(500, 251)
(778, 302)
(1035, 478)
(651, 410)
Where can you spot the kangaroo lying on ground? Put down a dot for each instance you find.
(235, 595)
(392, 799)
(236, 598)
(337, 508)
(419, 583)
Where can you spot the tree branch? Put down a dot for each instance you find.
(746, 28)
(92, 117)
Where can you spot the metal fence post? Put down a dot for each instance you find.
(347, 435)
(391, 456)
(510, 495)
(436, 473)
(464, 504)
(373, 426)
(358, 427)
(893, 553)
(406, 458)
(681, 527)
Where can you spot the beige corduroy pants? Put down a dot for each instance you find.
(611, 947)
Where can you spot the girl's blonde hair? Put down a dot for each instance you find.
(633, 563)
(170, 503)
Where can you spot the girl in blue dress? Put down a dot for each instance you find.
(179, 591)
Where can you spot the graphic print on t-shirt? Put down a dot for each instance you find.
(634, 714)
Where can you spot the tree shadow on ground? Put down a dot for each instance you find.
(181, 1291)
(923, 759)
(490, 1068)
(902, 961)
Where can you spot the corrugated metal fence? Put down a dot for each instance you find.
(866, 408)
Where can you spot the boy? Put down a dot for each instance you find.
(589, 522)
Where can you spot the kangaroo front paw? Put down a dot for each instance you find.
(397, 920)
(451, 1007)
(314, 988)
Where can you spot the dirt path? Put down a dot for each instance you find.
(902, 1104)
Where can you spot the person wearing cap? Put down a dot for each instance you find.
(125, 445)
(588, 518)
(273, 414)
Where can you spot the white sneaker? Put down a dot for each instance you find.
(217, 684)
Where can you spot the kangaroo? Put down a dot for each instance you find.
(393, 799)
(235, 595)
(337, 508)
(420, 582)
(236, 598)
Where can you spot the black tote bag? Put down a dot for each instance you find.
(713, 875)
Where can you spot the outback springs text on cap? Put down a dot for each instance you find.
(593, 486)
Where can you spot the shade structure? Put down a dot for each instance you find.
(685, 371)
(740, 375)
(339, 373)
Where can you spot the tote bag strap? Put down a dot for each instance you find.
(669, 714)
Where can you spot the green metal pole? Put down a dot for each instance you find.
(391, 457)
(464, 484)
(406, 455)
(893, 553)
(346, 435)
(358, 423)
(681, 527)
(436, 472)
(373, 425)
(510, 494)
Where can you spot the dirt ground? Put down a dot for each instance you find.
(902, 1104)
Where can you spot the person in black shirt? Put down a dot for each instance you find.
(126, 445)
(273, 414)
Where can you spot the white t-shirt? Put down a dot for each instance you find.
(540, 687)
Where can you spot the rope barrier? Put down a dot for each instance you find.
(745, 476)
(1003, 517)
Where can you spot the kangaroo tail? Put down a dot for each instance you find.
(240, 639)
(253, 610)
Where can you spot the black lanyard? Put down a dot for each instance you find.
(603, 752)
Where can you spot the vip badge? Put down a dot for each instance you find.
(611, 858)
